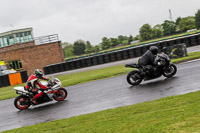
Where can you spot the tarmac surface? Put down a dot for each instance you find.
(101, 95)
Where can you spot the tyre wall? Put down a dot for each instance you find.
(13, 79)
(189, 41)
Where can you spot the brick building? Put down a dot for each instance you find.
(21, 51)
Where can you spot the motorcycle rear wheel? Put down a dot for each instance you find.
(22, 102)
(134, 78)
(60, 95)
(171, 71)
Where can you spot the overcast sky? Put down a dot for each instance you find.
(90, 20)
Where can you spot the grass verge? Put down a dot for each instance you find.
(87, 76)
(171, 114)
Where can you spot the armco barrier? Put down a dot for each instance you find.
(12, 79)
(117, 55)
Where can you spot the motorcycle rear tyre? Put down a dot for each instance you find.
(128, 78)
(21, 107)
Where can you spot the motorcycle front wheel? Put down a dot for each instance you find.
(170, 71)
(134, 78)
(60, 95)
(22, 102)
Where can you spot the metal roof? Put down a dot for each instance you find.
(15, 31)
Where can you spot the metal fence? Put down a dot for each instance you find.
(46, 39)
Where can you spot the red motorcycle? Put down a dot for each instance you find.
(58, 93)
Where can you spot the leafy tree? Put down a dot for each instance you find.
(125, 42)
(122, 38)
(156, 33)
(130, 39)
(96, 48)
(68, 50)
(137, 37)
(169, 27)
(158, 26)
(89, 48)
(197, 18)
(187, 23)
(178, 20)
(79, 47)
(106, 43)
(178, 24)
(114, 42)
(145, 32)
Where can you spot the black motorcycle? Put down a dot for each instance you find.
(165, 68)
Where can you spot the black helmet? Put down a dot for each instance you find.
(154, 50)
(38, 73)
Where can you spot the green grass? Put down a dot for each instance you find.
(8, 92)
(87, 76)
(191, 56)
(175, 114)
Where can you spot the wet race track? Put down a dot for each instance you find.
(100, 95)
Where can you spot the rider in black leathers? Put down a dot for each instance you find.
(148, 58)
(148, 61)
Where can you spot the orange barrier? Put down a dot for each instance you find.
(15, 78)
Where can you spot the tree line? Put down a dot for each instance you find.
(146, 32)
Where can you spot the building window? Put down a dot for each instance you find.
(27, 36)
(16, 64)
(6, 41)
(30, 36)
(21, 37)
(11, 40)
(1, 42)
(18, 37)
